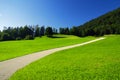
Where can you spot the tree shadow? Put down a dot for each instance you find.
(56, 37)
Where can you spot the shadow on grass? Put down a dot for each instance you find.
(56, 37)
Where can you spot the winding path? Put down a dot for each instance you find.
(8, 67)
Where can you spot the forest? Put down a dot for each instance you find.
(106, 24)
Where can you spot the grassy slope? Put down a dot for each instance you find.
(95, 61)
(12, 49)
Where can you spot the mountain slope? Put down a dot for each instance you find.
(108, 23)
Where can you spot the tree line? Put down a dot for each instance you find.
(26, 32)
(108, 23)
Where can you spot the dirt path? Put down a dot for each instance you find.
(8, 67)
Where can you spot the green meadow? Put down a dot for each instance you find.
(95, 61)
(12, 49)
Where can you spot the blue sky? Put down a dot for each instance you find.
(55, 13)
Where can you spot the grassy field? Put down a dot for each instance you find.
(12, 49)
(95, 61)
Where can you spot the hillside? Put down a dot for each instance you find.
(12, 49)
(108, 23)
(95, 61)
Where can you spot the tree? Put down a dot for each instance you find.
(21, 33)
(27, 31)
(54, 31)
(67, 31)
(5, 37)
(42, 31)
(62, 31)
(49, 32)
(37, 31)
(0, 35)
(74, 31)
(81, 33)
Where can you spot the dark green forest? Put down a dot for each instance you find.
(26, 32)
(106, 24)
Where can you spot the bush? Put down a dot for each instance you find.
(5, 37)
(29, 37)
(18, 38)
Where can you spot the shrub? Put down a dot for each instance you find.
(29, 37)
(18, 38)
(5, 37)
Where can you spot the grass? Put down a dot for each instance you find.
(95, 61)
(12, 49)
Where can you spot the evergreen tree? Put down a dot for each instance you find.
(37, 31)
(49, 32)
(42, 31)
